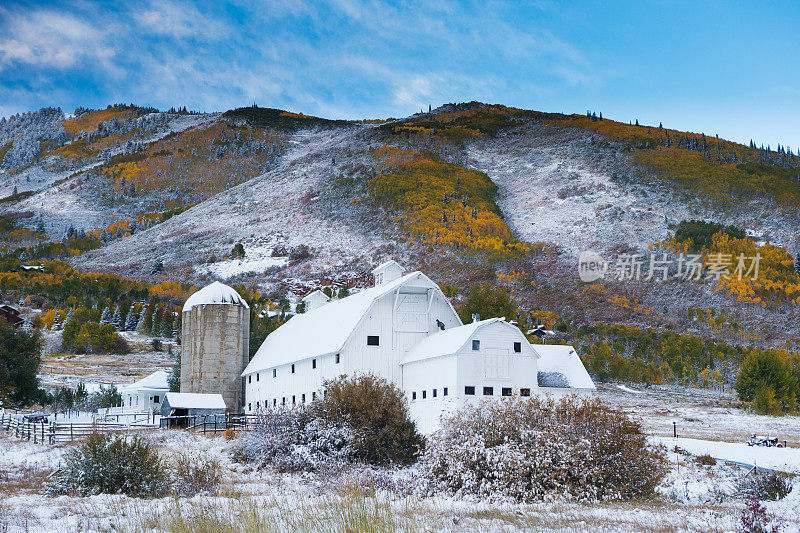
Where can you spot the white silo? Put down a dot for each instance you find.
(215, 335)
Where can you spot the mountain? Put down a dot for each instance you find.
(469, 192)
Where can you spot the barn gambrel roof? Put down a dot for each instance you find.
(325, 330)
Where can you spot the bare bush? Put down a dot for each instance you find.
(295, 440)
(193, 474)
(540, 448)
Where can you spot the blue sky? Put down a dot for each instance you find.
(715, 67)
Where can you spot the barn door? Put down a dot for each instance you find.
(410, 313)
(497, 364)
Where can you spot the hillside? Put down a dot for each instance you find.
(469, 193)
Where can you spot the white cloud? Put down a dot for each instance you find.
(51, 39)
(180, 20)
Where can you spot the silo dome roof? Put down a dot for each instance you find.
(216, 293)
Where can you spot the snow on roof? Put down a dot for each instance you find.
(156, 380)
(563, 360)
(445, 342)
(216, 293)
(386, 265)
(317, 294)
(323, 330)
(193, 400)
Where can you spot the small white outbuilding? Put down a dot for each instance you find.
(192, 404)
(145, 395)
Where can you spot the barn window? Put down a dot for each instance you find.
(274, 402)
(337, 358)
(313, 363)
(258, 404)
(414, 395)
(434, 393)
(256, 376)
(293, 401)
(476, 345)
(249, 406)
(283, 400)
(517, 347)
(292, 368)
(444, 391)
(313, 396)
(469, 391)
(424, 394)
(506, 391)
(155, 398)
(373, 340)
(524, 392)
(303, 398)
(488, 391)
(250, 378)
(274, 372)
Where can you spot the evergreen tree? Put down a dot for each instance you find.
(174, 380)
(117, 319)
(176, 326)
(147, 320)
(105, 318)
(133, 319)
(158, 316)
(166, 326)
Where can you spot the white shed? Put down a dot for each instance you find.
(146, 394)
(192, 404)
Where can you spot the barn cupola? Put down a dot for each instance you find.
(315, 300)
(388, 271)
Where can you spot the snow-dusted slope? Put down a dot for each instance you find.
(565, 188)
(275, 210)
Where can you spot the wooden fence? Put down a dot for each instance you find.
(60, 432)
(56, 432)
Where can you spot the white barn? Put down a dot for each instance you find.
(403, 329)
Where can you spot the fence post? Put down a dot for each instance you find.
(215, 425)
(71, 435)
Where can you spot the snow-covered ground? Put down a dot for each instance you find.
(692, 498)
(257, 259)
(782, 459)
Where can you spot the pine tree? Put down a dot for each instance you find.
(166, 326)
(158, 316)
(147, 320)
(133, 319)
(105, 318)
(117, 319)
(176, 326)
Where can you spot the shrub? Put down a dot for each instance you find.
(539, 448)
(193, 474)
(294, 440)
(106, 464)
(705, 460)
(770, 486)
(754, 519)
(92, 337)
(376, 412)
